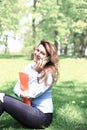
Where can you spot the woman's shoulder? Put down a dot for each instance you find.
(29, 67)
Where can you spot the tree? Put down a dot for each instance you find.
(54, 20)
(9, 19)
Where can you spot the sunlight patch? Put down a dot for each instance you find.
(71, 113)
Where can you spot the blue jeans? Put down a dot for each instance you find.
(29, 116)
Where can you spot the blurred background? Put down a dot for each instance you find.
(23, 23)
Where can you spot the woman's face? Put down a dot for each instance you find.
(39, 53)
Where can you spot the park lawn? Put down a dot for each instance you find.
(69, 93)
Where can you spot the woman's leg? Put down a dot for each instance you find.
(27, 115)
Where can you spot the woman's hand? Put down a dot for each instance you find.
(40, 65)
(24, 94)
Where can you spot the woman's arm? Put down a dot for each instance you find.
(37, 89)
(16, 89)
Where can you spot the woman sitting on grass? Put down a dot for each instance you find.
(42, 74)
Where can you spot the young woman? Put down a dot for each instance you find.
(42, 74)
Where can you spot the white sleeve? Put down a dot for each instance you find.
(16, 89)
(37, 89)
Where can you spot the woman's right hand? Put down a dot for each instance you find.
(40, 65)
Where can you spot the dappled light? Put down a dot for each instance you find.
(70, 102)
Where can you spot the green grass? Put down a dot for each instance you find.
(69, 94)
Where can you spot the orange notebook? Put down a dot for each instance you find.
(24, 78)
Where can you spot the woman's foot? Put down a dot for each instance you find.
(1, 97)
(1, 102)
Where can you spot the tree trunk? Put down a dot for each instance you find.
(33, 23)
(6, 45)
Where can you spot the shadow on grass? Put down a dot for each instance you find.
(8, 122)
(10, 56)
(16, 56)
(70, 107)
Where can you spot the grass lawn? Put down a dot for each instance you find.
(69, 94)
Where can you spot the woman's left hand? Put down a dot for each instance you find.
(25, 94)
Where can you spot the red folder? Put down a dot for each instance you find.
(24, 78)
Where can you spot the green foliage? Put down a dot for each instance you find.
(28, 51)
(50, 19)
(8, 15)
(79, 27)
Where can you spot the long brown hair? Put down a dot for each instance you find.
(52, 65)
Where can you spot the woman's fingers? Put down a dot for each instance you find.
(40, 65)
